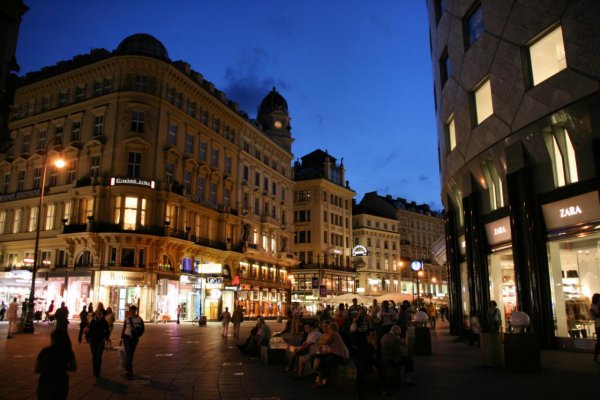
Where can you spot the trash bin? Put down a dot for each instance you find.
(202, 320)
(491, 349)
(279, 319)
(419, 341)
(522, 352)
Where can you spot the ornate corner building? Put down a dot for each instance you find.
(170, 194)
(517, 97)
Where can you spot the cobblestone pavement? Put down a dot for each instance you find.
(190, 362)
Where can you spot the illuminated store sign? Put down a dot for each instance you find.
(110, 278)
(359, 250)
(572, 211)
(132, 181)
(211, 269)
(498, 231)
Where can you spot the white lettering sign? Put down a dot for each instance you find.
(132, 181)
(359, 250)
(499, 231)
(570, 211)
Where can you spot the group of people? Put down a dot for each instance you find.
(374, 339)
(236, 318)
(54, 362)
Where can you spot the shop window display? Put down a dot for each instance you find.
(575, 277)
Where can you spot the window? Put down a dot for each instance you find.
(226, 197)
(2, 222)
(95, 166)
(72, 172)
(547, 56)
(58, 135)
(187, 181)
(53, 176)
(189, 143)
(21, 181)
(214, 158)
(6, 182)
(32, 223)
(172, 134)
(98, 125)
(130, 211)
(75, 131)
(169, 174)
(256, 179)
(191, 108)
(227, 167)
(63, 98)
(98, 87)
(107, 85)
(80, 93)
(46, 103)
(483, 102)
(213, 193)
(37, 177)
(201, 184)
(438, 9)
(137, 121)
(494, 184)
(245, 173)
(50, 213)
(134, 164)
(450, 134)
(67, 211)
(202, 150)
(17, 221)
(140, 83)
(42, 140)
(474, 25)
(562, 154)
(445, 70)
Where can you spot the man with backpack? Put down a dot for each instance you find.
(133, 329)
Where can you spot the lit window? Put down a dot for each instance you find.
(450, 134)
(483, 101)
(130, 213)
(547, 56)
(50, 210)
(32, 225)
(2, 222)
(562, 154)
(17, 221)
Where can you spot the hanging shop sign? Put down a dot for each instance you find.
(575, 210)
(359, 250)
(498, 231)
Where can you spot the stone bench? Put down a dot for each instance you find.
(275, 353)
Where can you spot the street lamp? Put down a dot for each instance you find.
(417, 266)
(59, 163)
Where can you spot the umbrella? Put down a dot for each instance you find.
(396, 297)
(347, 298)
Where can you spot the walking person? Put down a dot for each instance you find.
(52, 364)
(595, 311)
(237, 318)
(494, 320)
(62, 317)
(50, 312)
(110, 319)
(83, 323)
(475, 327)
(2, 311)
(178, 312)
(13, 309)
(133, 329)
(432, 314)
(97, 335)
(225, 319)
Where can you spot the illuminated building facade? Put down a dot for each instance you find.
(152, 206)
(517, 104)
(322, 220)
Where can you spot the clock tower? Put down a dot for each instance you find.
(274, 119)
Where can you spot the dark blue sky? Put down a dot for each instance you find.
(356, 73)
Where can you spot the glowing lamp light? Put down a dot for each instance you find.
(60, 163)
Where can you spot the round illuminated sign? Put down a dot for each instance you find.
(416, 265)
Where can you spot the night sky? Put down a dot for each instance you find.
(356, 74)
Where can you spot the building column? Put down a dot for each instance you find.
(532, 277)
(455, 316)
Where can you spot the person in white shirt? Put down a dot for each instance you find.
(12, 316)
(309, 346)
(225, 318)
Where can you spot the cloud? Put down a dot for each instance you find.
(246, 80)
(423, 177)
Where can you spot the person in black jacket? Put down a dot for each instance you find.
(83, 322)
(97, 335)
(52, 364)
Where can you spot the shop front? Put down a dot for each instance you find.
(17, 283)
(167, 298)
(79, 292)
(189, 297)
(121, 289)
(573, 256)
(501, 268)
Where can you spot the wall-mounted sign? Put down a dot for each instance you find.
(498, 231)
(359, 250)
(132, 181)
(575, 210)
(116, 278)
(20, 195)
(210, 269)
(233, 288)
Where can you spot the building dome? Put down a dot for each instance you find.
(273, 101)
(142, 43)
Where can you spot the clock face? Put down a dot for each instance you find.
(277, 124)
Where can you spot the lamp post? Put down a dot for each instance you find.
(417, 266)
(28, 322)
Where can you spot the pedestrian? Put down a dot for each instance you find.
(237, 318)
(97, 335)
(52, 364)
(110, 319)
(432, 314)
(178, 312)
(494, 320)
(403, 322)
(2, 311)
(393, 356)
(83, 323)
(133, 329)
(13, 309)
(62, 317)
(595, 311)
(387, 318)
(50, 312)
(475, 329)
(225, 319)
